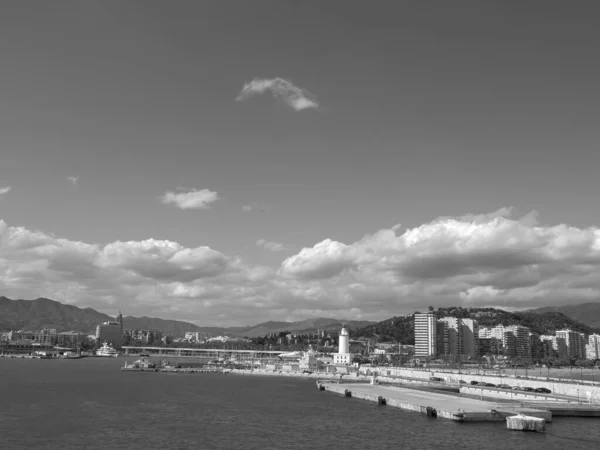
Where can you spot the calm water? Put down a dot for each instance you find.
(90, 404)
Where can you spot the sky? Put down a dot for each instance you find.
(232, 162)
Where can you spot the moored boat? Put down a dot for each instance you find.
(107, 351)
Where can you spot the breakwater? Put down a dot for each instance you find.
(459, 409)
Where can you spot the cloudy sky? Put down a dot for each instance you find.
(231, 162)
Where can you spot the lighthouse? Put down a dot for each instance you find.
(343, 355)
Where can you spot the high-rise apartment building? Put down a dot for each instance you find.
(521, 340)
(592, 349)
(535, 347)
(442, 344)
(455, 330)
(504, 335)
(470, 338)
(425, 335)
(573, 341)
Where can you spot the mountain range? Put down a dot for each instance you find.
(587, 313)
(45, 313)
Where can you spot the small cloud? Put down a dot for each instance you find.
(270, 245)
(193, 199)
(5, 190)
(292, 95)
(254, 207)
(73, 180)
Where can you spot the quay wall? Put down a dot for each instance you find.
(512, 395)
(562, 388)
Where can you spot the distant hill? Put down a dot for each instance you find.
(587, 313)
(401, 329)
(303, 326)
(45, 313)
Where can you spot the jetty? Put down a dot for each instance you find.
(460, 409)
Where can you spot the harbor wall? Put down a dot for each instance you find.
(562, 388)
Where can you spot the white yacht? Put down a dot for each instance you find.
(107, 351)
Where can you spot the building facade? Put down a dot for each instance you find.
(425, 335)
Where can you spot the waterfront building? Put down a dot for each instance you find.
(504, 335)
(70, 339)
(574, 343)
(535, 347)
(343, 356)
(547, 349)
(455, 332)
(470, 338)
(521, 340)
(442, 343)
(490, 346)
(592, 349)
(559, 345)
(425, 335)
(111, 332)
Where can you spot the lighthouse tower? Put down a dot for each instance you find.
(343, 355)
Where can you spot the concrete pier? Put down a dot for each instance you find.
(433, 404)
(521, 422)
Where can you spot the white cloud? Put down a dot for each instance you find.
(193, 199)
(270, 245)
(5, 190)
(73, 180)
(295, 97)
(255, 207)
(476, 260)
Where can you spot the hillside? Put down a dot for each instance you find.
(46, 313)
(587, 313)
(303, 326)
(401, 329)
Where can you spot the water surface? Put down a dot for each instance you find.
(90, 404)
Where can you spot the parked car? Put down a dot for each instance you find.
(543, 390)
(518, 388)
(488, 385)
(435, 379)
(528, 389)
(504, 386)
(462, 381)
(474, 382)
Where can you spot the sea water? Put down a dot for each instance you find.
(90, 404)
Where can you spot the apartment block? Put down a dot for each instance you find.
(425, 335)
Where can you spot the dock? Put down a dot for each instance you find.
(455, 408)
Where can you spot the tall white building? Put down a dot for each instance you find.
(425, 335)
(343, 355)
(592, 349)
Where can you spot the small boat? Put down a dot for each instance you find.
(107, 351)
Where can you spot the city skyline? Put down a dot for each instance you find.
(278, 161)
